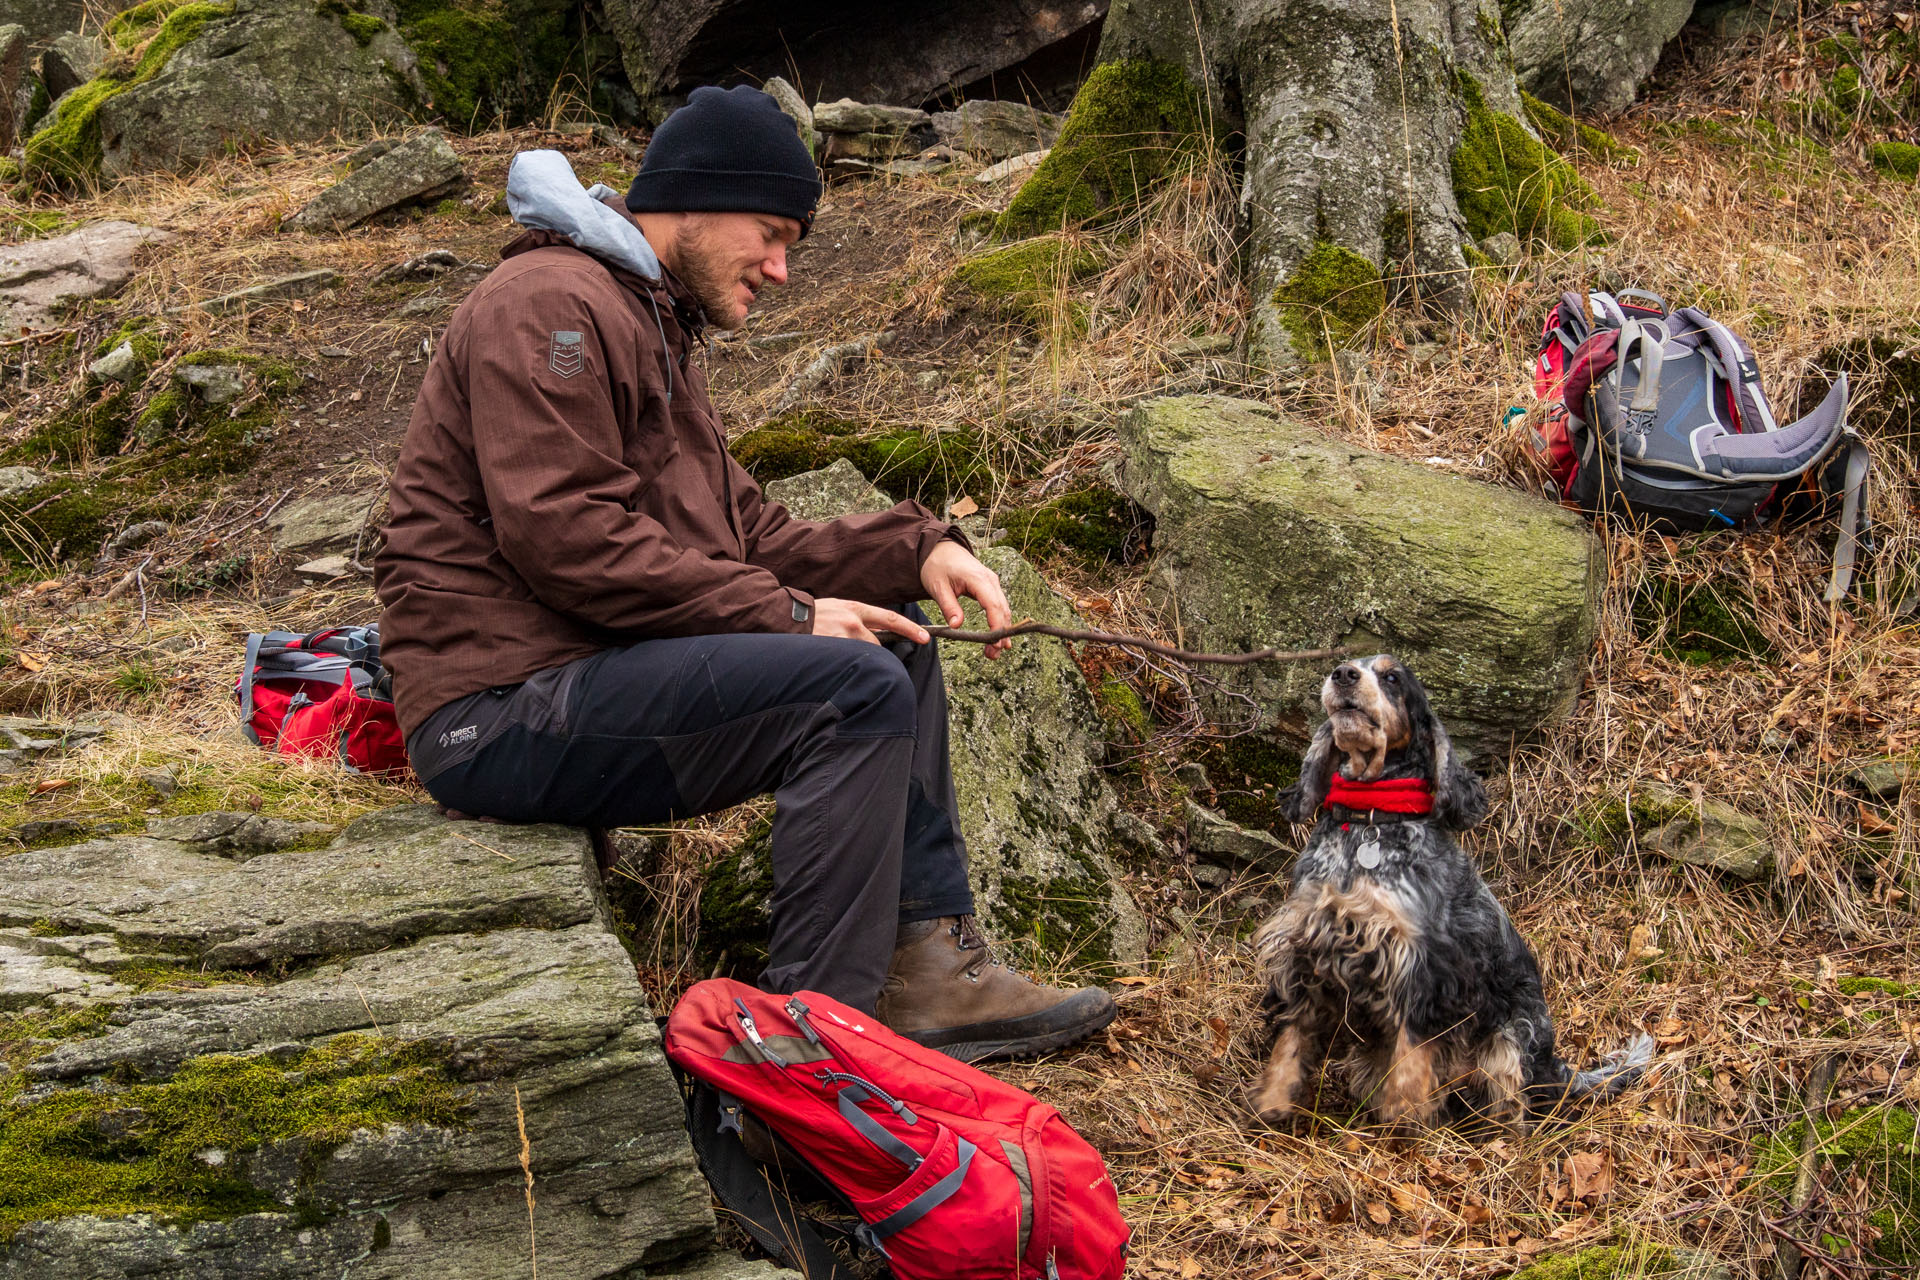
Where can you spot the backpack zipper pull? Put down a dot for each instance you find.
(798, 1012)
(753, 1034)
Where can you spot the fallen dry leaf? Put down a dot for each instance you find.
(1133, 980)
(1189, 1268)
(965, 507)
(1380, 1214)
(32, 661)
(51, 784)
(1873, 823)
(1590, 1173)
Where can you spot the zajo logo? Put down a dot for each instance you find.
(568, 353)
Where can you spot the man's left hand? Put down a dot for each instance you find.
(953, 571)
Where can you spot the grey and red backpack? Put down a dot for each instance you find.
(1658, 417)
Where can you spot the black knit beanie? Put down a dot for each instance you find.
(728, 151)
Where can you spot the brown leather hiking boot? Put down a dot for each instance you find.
(945, 990)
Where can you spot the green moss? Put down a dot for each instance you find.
(144, 1148)
(66, 517)
(1331, 296)
(92, 427)
(1877, 1145)
(1607, 823)
(1895, 159)
(1505, 180)
(363, 27)
(1091, 527)
(147, 35)
(1123, 710)
(1028, 279)
(930, 467)
(1706, 624)
(502, 60)
(1603, 1262)
(1132, 125)
(1877, 986)
(735, 897)
(1064, 919)
(1563, 132)
(36, 222)
(1248, 774)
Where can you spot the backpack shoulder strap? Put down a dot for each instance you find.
(1853, 517)
(762, 1209)
(254, 640)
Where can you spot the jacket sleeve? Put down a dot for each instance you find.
(875, 557)
(548, 444)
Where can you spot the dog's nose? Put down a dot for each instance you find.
(1346, 674)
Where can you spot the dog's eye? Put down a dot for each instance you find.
(1392, 677)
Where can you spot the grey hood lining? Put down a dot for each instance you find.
(544, 195)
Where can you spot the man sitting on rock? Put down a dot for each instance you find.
(594, 617)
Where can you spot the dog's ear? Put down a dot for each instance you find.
(1459, 800)
(1302, 801)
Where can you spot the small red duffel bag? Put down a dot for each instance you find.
(955, 1175)
(324, 693)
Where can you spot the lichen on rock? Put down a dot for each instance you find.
(1329, 299)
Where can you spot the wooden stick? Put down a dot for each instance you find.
(1819, 1082)
(1134, 642)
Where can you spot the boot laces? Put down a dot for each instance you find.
(967, 935)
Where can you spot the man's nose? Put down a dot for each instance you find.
(775, 266)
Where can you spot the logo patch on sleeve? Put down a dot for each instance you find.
(568, 353)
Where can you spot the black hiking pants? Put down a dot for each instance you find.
(851, 739)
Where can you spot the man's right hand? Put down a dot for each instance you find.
(857, 621)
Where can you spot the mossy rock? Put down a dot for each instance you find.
(1883, 371)
(141, 1149)
(1611, 821)
(142, 40)
(902, 463)
(1865, 986)
(1029, 279)
(1605, 1262)
(1132, 125)
(1505, 179)
(64, 519)
(1329, 299)
(1249, 773)
(1876, 1144)
(736, 905)
(1568, 135)
(488, 61)
(1708, 624)
(1093, 528)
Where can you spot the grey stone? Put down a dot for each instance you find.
(869, 149)
(1597, 51)
(725, 1266)
(45, 19)
(421, 169)
(37, 736)
(1738, 19)
(1709, 833)
(324, 522)
(386, 878)
(162, 782)
(137, 535)
(38, 277)
(280, 69)
(1208, 876)
(1882, 779)
(1137, 834)
(426, 266)
(1207, 344)
(16, 481)
(1503, 248)
(68, 62)
(1269, 534)
(225, 831)
(49, 829)
(1035, 808)
(1216, 835)
(997, 130)
(325, 567)
(777, 341)
(838, 490)
(1193, 775)
(213, 384)
(1014, 167)
(426, 304)
(849, 117)
(13, 70)
(122, 364)
(796, 109)
(301, 284)
(527, 1002)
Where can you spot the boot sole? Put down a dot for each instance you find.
(1019, 1037)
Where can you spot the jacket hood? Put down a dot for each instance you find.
(544, 195)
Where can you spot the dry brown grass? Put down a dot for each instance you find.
(1738, 983)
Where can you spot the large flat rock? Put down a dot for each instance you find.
(1270, 534)
(39, 277)
(481, 951)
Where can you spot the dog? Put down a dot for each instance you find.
(1391, 951)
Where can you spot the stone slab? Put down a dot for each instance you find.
(38, 277)
(421, 168)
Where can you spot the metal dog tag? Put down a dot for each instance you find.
(1368, 854)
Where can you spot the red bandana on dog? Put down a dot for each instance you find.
(1396, 795)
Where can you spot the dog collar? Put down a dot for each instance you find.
(1394, 795)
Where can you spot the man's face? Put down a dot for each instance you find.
(725, 259)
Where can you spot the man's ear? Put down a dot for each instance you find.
(1459, 800)
(1301, 801)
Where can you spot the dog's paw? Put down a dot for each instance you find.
(1278, 1117)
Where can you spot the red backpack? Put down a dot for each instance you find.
(321, 694)
(954, 1174)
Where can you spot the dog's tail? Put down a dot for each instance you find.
(1608, 1079)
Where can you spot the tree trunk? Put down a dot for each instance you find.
(1381, 138)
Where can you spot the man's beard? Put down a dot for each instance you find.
(710, 286)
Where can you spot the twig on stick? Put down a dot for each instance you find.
(827, 365)
(1819, 1081)
(1030, 627)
